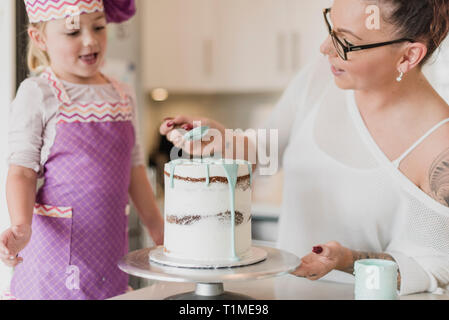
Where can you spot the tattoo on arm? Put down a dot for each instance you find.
(357, 255)
(439, 179)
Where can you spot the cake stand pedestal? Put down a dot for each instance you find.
(209, 282)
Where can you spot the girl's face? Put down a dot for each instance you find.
(365, 69)
(77, 53)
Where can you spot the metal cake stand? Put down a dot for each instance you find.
(209, 282)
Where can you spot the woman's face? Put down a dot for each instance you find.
(365, 69)
(77, 51)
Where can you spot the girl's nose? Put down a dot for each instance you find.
(327, 47)
(89, 39)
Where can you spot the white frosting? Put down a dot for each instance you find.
(207, 234)
(198, 170)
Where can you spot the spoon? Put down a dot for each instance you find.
(196, 134)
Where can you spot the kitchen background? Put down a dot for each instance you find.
(225, 59)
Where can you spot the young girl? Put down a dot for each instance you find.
(76, 128)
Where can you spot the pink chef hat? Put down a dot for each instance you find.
(45, 10)
(119, 10)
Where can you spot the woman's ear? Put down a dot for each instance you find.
(37, 37)
(413, 54)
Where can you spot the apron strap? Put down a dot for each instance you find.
(56, 85)
(118, 88)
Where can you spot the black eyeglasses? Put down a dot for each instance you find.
(344, 48)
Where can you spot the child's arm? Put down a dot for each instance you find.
(21, 197)
(143, 198)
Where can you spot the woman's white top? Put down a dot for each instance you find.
(340, 186)
(33, 118)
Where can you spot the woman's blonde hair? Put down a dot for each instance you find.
(37, 59)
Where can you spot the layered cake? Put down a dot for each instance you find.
(207, 210)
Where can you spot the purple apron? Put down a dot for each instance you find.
(80, 222)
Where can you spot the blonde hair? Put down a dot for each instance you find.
(37, 59)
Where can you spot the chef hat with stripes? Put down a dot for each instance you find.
(45, 10)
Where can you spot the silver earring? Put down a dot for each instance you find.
(399, 79)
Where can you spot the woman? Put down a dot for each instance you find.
(365, 147)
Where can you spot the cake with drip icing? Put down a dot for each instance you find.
(207, 210)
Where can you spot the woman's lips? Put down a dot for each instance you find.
(337, 72)
(89, 59)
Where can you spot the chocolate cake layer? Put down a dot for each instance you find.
(191, 219)
(243, 182)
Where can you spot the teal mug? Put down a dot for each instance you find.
(376, 279)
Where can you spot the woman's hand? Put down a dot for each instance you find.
(12, 241)
(324, 259)
(175, 128)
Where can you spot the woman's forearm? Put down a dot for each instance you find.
(360, 255)
(21, 195)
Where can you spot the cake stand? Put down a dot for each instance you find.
(209, 282)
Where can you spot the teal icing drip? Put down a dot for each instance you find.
(231, 173)
(172, 174)
(173, 165)
(250, 170)
(207, 175)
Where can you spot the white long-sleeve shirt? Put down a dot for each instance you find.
(340, 186)
(33, 119)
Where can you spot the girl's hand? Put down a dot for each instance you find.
(156, 231)
(175, 128)
(157, 234)
(324, 259)
(12, 241)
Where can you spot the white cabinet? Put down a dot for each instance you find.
(177, 43)
(251, 47)
(306, 29)
(227, 45)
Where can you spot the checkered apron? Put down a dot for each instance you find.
(80, 222)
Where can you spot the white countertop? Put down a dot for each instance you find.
(286, 287)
